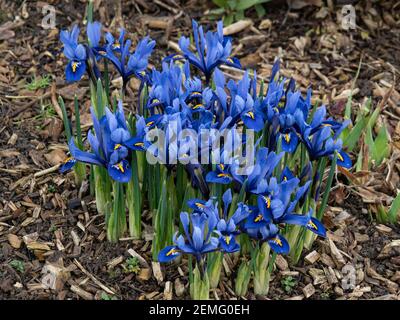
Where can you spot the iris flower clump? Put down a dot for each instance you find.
(275, 202)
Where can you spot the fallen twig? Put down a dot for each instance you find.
(102, 286)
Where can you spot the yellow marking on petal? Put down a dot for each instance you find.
(250, 114)
(287, 137)
(284, 178)
(227, 239)
(119, 166)
(281, 104)
(199, 205)
(75, 66)
(69, 159)
(197, 106)
(312, 225)
(196, 93)
(178, 56)
(149, 124)
(155, 100)
(102, 52)
(277, 241)
(223, 175)
(340, 157)
(117, 146)
(139, 144)
(230, 60)
(221, 166)
(267, 201)
(276, 110)
(259, 218)
(171, 252)
(116, 45)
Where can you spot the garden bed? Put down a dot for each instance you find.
(46, 222)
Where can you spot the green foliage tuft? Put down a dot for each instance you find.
(234, 10)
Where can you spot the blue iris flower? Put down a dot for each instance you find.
(275, 205)
(197, 243)
(107, 144)
(75, 53)
(138, 142)
(212, 50)
(321, 136)
(116, 44)
(94, 35)
(228, 227)
(221, 174)
(166, 86)
(270, 233)
(68, 164)
(242, 104)
(274, 94)
(262, 170)
(130, 64)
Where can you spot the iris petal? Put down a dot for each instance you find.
(168, 254)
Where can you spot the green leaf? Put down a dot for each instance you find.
(228, 19)
(134, 200)
(394, 210)
(260, 10)
(354, 136)
(246, 4)
(67, 128)
(221, 3)
(373, 117)
(369, 140)
(232, 4)
(239, 15)
(89, 11)
(78, 123)
(381, 146)
(359, 161)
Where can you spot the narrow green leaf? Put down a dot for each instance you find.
(67, 128)
(78, 124)
(99, 100)
(394, 211)
(369, 140)
(89, 11)
(228, 19)
(381, 146)
(359, 161)
(353, 137)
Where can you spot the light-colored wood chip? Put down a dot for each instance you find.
(312, 257)
(14, 241)
(157, 271)
(308, 290)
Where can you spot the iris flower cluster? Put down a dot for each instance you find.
(107, 145)
(84, 57)
(192, 91)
